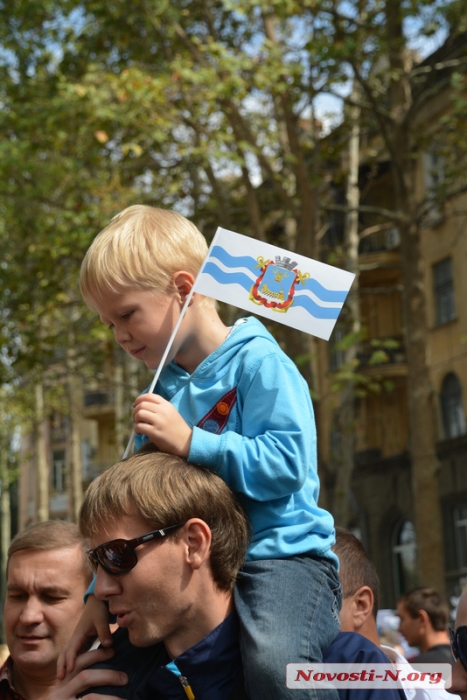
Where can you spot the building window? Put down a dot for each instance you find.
(452, 408)
(58, 471)
(433, 170)
(404, 553)
(444, 291)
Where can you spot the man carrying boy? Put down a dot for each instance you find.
(230, 400)
(171, 587)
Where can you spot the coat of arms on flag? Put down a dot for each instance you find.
(264, 279)
(275, 286)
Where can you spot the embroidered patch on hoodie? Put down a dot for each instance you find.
(214, 421)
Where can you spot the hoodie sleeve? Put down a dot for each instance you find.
(274, 449)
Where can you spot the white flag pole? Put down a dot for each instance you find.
(169, 344)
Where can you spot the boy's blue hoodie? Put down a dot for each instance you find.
(259, 435)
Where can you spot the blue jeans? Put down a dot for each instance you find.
(289, 613)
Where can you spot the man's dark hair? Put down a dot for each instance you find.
(356, 569)
(424, 598)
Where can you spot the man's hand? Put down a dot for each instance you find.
(94, 622)
(83, 677)
(161, 422)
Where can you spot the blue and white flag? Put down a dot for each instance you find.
(271, 282)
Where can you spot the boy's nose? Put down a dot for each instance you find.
(122, 335)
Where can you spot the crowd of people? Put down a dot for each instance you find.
(208, 547)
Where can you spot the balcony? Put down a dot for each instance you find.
(383, 357)
(98, 404)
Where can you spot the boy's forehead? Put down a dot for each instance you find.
(109, 301)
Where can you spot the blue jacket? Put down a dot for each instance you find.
(350, 647)
(212, 668)
(253, 424)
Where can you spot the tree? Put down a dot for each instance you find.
(207, 107)
(379, 59)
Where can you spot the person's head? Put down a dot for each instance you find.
(137, 275)
(459, 650)
(422, 612)
(173, 576)
(360, 585)
(47, 576)
(142, 248)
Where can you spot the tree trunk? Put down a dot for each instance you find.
(75, 463)
(345, 467)
(5, 516)
(428, 522)
(41, 457)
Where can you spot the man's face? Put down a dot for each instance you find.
(153, 600)
(410, 627)
(43, 604)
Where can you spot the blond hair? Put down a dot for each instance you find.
(166, 490)
(141, 248)
(49, 535)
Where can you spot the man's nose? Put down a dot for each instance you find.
(106, 585)
(32, 612)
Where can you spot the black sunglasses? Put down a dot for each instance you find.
(118, 557)
(459, 644)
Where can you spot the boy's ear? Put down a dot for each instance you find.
(183, 282)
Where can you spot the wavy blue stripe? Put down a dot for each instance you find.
(250, 263)
(228, 278)
(231, 261)
(315, 310)
(322, 293)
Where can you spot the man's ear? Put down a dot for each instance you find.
(363, 602)
(424, 620)
(197, 538)
(183, 282)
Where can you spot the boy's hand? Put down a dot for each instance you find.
(94, 622)
(161, 422)
(83, 678)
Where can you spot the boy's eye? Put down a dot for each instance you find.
(127, 316)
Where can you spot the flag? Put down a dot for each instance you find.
(271, 282)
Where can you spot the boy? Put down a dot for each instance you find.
(228, 399)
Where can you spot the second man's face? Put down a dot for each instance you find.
(150, 600)
(44, 602)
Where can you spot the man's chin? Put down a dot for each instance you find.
(140, 640)
(39, 657)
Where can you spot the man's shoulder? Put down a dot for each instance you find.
(7, 692)
(5, 669)
(137, 662)
(353, 647)
(440, 653)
